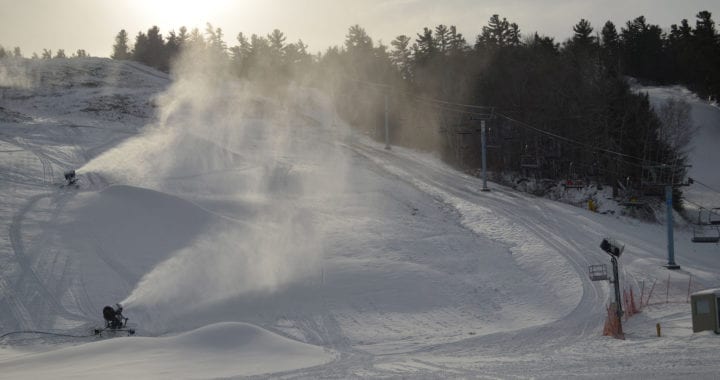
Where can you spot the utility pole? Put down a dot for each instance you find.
(484, 155)
(387, 124)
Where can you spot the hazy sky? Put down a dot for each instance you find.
(93, 24)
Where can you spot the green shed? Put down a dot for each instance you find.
(706, 310)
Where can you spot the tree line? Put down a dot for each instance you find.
(16, 52)
(567, 109)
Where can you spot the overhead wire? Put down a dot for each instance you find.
(704, 185)
(446, 106)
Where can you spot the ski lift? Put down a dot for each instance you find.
(552, 148)
(705, 231)
(714, 216)
(598, 272)
(633, 201)
(571, 182)
(529, 161)
(706, 234)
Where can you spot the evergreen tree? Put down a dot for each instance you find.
(60, 53)
(46, 54)
(498, 33)
(457, 41)
(707, 55)
(121, 49)
(172, 45)
(215, 40)
(141, 50)
(401, 55)
(358, 41)
(642, 49)
(583, 34)
(425, 47)
(680, 47)
(17, 53)
(276, 39)
(442, 38)
(610, 49)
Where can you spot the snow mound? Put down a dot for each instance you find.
(219, 350)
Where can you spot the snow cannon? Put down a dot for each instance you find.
(612, 247)
(70, 177)
(114, 320)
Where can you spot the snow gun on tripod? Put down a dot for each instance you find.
(114, 320)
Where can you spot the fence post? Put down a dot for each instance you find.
(642, 292)
(652, 288)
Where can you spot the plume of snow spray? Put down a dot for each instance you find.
(14, 73)
(271, 155)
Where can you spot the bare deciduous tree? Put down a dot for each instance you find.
(677, 127)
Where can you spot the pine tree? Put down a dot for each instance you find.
(707, 55)
(141, 50)
(442, 38)
(642, 49)
(401, 55)
(215, 40)
(121, 49)
(425, 47)
(60, 53)
(357, 40)
(457, 41)
(610, 49)
(498, 33)
(583, 34)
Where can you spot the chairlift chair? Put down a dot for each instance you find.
(571, 182)
(598, 272)
(706, 234)
(714, 216)
(529, 161)
(633, 201)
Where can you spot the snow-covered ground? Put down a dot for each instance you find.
(257, 235)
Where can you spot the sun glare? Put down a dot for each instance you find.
(177, 13)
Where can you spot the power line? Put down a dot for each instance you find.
(643, 161)
(707, 186)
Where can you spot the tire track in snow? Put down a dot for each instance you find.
(29, 282)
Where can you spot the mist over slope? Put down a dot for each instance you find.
(262, 230)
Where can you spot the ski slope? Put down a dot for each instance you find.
(252, 235)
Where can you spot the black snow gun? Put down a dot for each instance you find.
(70, 178)
(114, 320)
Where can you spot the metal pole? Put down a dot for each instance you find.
(670, 240)
(387, 126)
(484, 155)
(616, 281)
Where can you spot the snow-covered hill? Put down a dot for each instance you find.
(258, 235)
